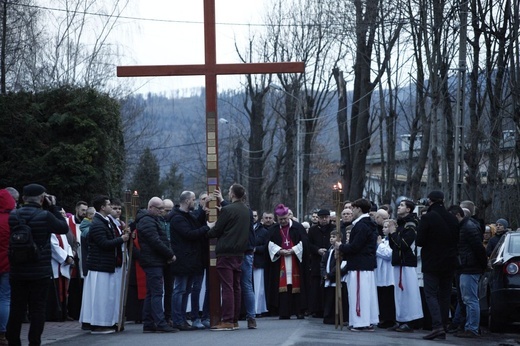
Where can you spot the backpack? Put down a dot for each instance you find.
(22, 248)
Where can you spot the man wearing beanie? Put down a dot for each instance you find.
(501, 228)
(438, 235)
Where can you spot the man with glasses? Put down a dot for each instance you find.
(155, 254)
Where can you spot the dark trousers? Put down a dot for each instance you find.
(386, 301)
(437, 289)
(168, 290)
(316, 296)
(329, 304)
(289, 303)
(32, 293)
(153, 312)
(229, 272)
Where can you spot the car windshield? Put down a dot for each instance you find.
(514, 245)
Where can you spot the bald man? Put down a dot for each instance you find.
(379, 217)
(155, 253)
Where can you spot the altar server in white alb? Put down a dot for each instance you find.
(360, 253)
(101, 293)
(407, 296)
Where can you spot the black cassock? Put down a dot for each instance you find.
(286, 304)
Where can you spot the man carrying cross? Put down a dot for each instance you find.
(285, 286)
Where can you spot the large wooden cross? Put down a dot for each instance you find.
(210, 69)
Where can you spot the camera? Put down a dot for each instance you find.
(48, 201)
(424, 201)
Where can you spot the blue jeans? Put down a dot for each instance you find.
(195, 295)
(469, 292)
(153, 312)
(5, 298)
(181, 286)
(246, 283)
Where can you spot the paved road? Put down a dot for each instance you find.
(271, 331)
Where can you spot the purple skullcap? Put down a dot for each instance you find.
(281, 210)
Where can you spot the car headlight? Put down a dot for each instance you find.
(511, 268)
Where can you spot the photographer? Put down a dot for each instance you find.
(30, 280)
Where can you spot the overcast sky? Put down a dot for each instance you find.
(171, 32)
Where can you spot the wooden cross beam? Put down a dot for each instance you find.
(210, 69)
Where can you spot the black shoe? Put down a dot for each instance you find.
(453, 328)
(404, 328)
(183, 327)
(385, 324)
(86, 326)
(436, 334)
(393, 328)
(166, 329)
(300, 317)
(284, 318)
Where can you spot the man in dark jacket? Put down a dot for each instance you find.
(438, 235)
(259, 263)
(501, 228)
(472, 264)
(155, 253)
(319, 243)
(30, 281)
(232, 233)
(187, 233)
(102, 286)
(360, 253)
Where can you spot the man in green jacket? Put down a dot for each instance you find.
(232, 233)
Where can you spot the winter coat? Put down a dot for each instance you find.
(102, 245)
(7, 203)
(402, 242)
(187, 235)
(42, 223)
(153, 241)
(360, 251)
(472, 255)
(438, 235)
(232, 230)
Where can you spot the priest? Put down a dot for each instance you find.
(285, 289)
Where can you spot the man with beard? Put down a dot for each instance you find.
(76, 275)
(286, 269)
(319, 243)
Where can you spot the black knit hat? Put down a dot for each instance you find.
(33, 190)
(436, 195)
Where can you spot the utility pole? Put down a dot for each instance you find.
(458, 162)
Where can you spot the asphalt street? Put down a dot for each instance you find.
(272, 331)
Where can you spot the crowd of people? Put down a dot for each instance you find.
(395, 273)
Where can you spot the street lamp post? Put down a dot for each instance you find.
(299, 166)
